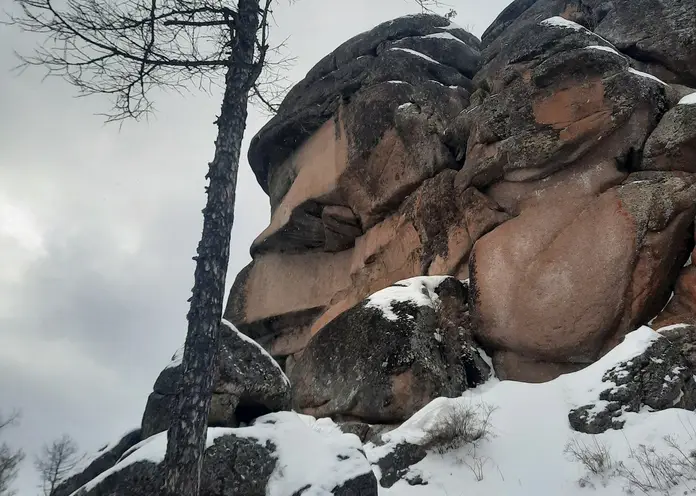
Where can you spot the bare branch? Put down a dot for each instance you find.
(9, 459)
(56, 463)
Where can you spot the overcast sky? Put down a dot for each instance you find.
(98, 226)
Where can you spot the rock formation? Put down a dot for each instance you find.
(421, 354)
(661, 377)
(552, 164)
(248, 384)
(444, 210)
(266, 458)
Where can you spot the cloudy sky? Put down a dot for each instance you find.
(98, 226)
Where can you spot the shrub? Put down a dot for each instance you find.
(659, 472)
(458, 425)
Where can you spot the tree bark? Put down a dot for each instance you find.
(187, 433)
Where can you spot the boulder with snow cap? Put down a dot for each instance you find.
(248, 383)
(385, 358)
(90, 467)
(659, 378)
(281, 454)
(658, 35)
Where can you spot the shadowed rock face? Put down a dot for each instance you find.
(374, 57)
(247, 384)
(549, 164)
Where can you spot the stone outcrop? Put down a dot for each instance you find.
(361, 182)
(386, 358)
(661, 377)
(666, 48)
(552, 164)
(104, 459)
(248, 383)
(396, 464)
(248, 461)
(672, 146)
(437, 200)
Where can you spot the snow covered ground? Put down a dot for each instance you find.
(526, 453)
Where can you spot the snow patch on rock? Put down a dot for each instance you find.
(672, 327)
(261, 349)
(646, 75)
(416, 53)
(560, 22)
(604, 49)
(312, 454)
(445, 36)
(177, 358)
(688, 100)
(307, 451)
(533, 418)
(419, 291)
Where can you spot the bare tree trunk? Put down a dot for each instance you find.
(187, 433)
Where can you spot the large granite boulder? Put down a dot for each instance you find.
(593, 249)
(248, 383)
(549, 163)
(281, 454)
(672, 146)
(389, 356)
(657, 34)
(282, 299)
(353, 150)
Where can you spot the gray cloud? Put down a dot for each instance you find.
(98, 226)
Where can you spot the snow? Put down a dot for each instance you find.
(247, 339)
(445, 36)
(394, 81)
(560, 22)
(152, 449)
(176, 359)
(416, 53)
(604, 49)
(688, 262)
(526, 453)
(688, 100)
(672, 327)
(418, 290)
(663, 308)
(452, 26)
(404, 105)
(646, 75)
(630, 69)
(86, 460)
(295, 437)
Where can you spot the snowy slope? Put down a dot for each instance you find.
(525, 456)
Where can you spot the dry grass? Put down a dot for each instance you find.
(652, 472)
(457, 426)
(659, 472)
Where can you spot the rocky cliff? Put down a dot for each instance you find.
(550, 165)
(447, 213)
